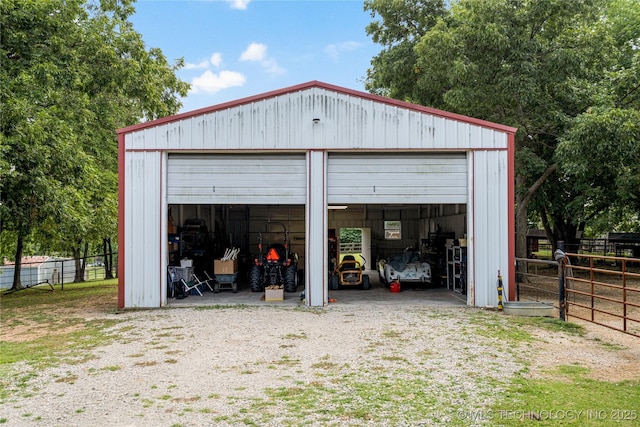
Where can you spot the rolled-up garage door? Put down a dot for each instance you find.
(236, 179)
(405, 178)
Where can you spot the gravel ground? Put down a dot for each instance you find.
(270, 366)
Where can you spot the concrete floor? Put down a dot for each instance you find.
(420, 295)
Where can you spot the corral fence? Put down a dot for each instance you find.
(613, 246)
(45, 271)
(604, 290)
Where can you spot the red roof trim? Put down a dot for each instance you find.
(321, 85)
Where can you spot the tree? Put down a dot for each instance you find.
(72, 73)
(535, 65)
(601, 151)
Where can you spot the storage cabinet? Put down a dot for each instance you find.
(457, 269)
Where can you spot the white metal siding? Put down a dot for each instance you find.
(237, 179)
(345, 122)
(316, 279)
(415, 178)
(143, 229)
(490, 239)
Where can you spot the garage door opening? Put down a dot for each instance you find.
(400, 235)
(201, 237)
(381, 233)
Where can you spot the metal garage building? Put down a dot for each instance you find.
(311, 146)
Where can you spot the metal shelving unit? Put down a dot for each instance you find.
(457, 269)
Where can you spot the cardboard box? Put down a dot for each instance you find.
(225, 267)
(274, 294)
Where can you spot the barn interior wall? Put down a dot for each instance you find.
(293, 219)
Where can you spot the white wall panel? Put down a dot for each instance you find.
(143, 229)
(490, 225)
(346, 121)
(316, 278)
(396, 178)
(237, 179)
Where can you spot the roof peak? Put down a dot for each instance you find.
(322, 85)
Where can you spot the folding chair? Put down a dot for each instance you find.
(190, 285)
(172, 282)
(209, 278)
(205, 282)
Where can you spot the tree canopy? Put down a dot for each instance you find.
(565, 73)
(71, 73)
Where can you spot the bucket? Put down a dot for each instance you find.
(394, 286)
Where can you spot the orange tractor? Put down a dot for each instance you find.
(277, 265)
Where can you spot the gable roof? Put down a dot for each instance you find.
(326, 86)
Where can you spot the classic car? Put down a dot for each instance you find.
(405, 268)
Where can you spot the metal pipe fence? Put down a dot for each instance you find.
(607, 295)
(603, 290)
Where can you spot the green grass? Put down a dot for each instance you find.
(569, 398)
(73, 295)
(51, 327)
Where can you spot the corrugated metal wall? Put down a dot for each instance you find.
(143, 243)
(489, 252)
(316, 278)
(344, 122)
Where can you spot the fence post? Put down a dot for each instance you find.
(560, 257)
(517, 281)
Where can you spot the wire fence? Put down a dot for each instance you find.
(537, 280)
(602, 248)
(45, 270)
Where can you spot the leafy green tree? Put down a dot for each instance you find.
(72, 73)
(535, 65)
(601, 151)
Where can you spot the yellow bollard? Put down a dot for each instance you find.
(499, 291)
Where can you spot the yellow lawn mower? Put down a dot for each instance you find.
(350, 272)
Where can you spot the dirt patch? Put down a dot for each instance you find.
(30, 332)
(609, 355)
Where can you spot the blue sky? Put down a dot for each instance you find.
(238, 48)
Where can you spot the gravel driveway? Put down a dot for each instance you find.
(268, 365)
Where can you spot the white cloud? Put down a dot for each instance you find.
(211, 83)
(190, 66)
(216, 59)
(255, 52)
(335, 49)
(272, 67)
(239, 4)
